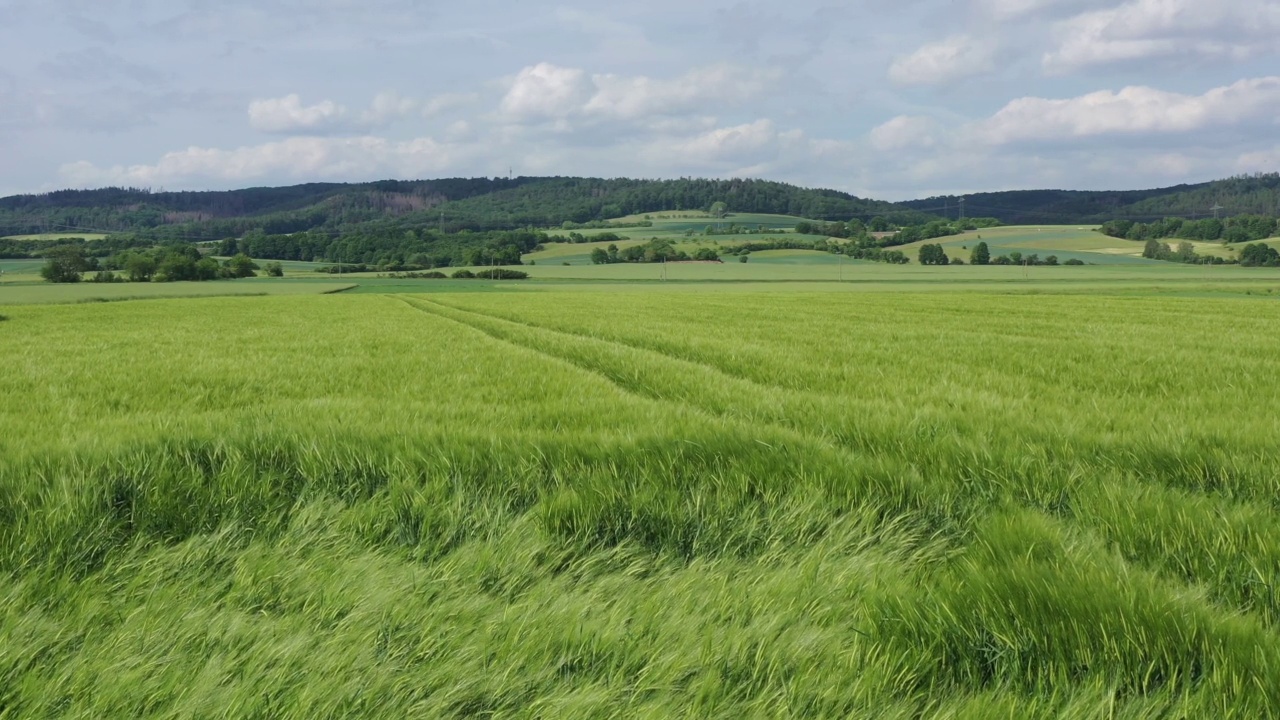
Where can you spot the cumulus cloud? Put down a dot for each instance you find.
(295, 158)
(386, 107)
(1133, 110)
(700, 90)
(289, 115)
(904, 132)
(739, 144)
(1143, 29)
(547, 92)
(956, 57)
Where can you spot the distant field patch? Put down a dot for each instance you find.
(44, 293)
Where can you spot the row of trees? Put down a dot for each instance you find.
(387, 247)
(933, 254)
(1240, 229)
(1257, 194)
(1259, 255)
(168, 263)
(653, 251)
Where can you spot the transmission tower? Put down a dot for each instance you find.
(1216, 210)
(961, 209)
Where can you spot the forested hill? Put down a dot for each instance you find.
(454, 204)
(1244, 195)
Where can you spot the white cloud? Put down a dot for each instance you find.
(904, 132)
(1142, 29)
(1133, 110)
(545, 91)
(741, 144)
(387, 107)
(701, 90)
(289, 115)
(956, 57)
(294, 158)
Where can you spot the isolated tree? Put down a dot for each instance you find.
(174, 267)
(932, 254)
(718, 209)
(1186, 252)
(207, 269)
(275, 269)
(137, 266)
(64, 264)
(242, 266)
(599, 256)
(981, 255)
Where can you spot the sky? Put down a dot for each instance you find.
(890, 100)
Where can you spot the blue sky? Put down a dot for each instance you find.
(889, 100)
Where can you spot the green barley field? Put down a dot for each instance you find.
(583, 501)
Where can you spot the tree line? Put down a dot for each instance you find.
(168, 263)
(1240, 229)
(934, 254)
(450, 206)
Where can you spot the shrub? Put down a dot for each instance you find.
(502, 274)
(240, 266)
(3, 318)
(463, 275)
(105, 276)
(1074, 261)
(742, 258)
(275, 269)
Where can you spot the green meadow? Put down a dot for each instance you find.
(798, 486)
(640, 502)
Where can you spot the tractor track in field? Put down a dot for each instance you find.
(915, 496)
(630, 383)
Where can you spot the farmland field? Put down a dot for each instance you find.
(43, 293)
(641, 503)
